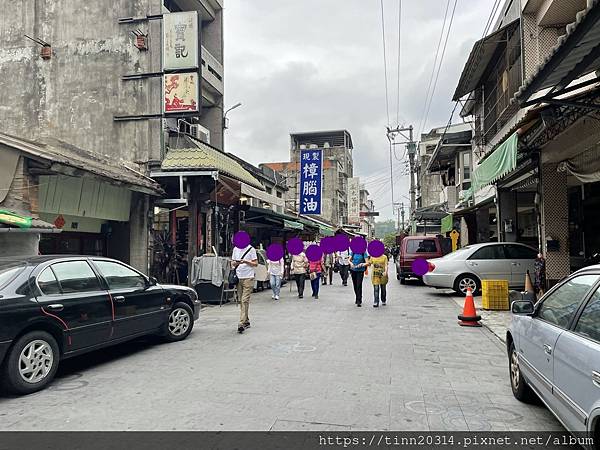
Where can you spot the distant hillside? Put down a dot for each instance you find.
(384, 228)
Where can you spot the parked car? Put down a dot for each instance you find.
(413, 248)
(554, 351)
(466, 267)
(56, 307)
(261, 274)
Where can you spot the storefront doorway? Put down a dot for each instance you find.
(72, 243)
(584, 217)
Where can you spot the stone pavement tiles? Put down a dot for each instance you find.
(303, 365)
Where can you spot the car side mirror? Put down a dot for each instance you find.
(152, 281)
(522, 307)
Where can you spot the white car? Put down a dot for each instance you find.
(554, 351)
(466, 267)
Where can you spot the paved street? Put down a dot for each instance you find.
(304, 365)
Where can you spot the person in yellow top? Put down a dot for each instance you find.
(379, 277)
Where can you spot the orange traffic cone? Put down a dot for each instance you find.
(469, 317)
(528, 283)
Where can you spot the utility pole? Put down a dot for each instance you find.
(411, 146)
(402, 213)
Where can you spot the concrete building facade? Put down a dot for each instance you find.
(86, 78)
(338, 167)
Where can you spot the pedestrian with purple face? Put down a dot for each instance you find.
(299, 269)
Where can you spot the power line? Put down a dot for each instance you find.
(440, 64)
(387, 101)
(434, 65)
(399, 54)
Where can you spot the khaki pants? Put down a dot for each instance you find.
(244, 288)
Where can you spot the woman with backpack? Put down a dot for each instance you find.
(358, 265)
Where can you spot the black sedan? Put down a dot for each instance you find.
(55, 307)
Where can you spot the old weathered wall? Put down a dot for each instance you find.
(74, 95)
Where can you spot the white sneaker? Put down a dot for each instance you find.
(277, 297)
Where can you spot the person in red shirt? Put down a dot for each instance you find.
(315, 269)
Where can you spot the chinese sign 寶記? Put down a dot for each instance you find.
(181, 92)
(180, 40)
(311, 176)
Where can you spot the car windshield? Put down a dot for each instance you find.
(460, 253)
(9, 270)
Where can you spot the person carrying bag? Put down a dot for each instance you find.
(358, 265)
(379, 278)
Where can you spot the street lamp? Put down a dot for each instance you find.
(237, 105)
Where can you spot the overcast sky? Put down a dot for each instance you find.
(318, 65)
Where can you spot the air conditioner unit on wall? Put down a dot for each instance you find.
(200, 133)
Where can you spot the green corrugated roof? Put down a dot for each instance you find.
(326, 231)
(204, 157)
(292, 225)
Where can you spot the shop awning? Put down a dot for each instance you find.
(63, 158)
(577, 53)
(246, 189)
(499, 163)
(268, 216)
(201, 156)
(326, 231)
(11, 221)
(292, 225)
(433, 212)
(323, 228)
(481, 55)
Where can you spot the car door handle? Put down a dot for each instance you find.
(55, 307)
(119, 299)
(515, 264)
(547, 349)
(596, 378)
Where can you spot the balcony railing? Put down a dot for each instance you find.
(212, 71)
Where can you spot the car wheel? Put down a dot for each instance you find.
(31, 363)
(402, 280)
(519, 386)
(465, 282)
(181, 322)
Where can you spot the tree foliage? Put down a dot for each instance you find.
(389, 240)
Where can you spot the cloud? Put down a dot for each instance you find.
(318, 64)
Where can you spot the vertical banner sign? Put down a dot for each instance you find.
(311, 177)
(180, 40)
(180, 92)
(180, 52)
(353, 201)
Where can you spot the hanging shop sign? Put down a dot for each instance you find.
(354, 201)
(180, 40)
(10, 218)
(180, 92)
(311, 181)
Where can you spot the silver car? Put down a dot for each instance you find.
(466, 267)
(554, 351)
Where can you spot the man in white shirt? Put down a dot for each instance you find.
(244, 261)
(344, 262)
